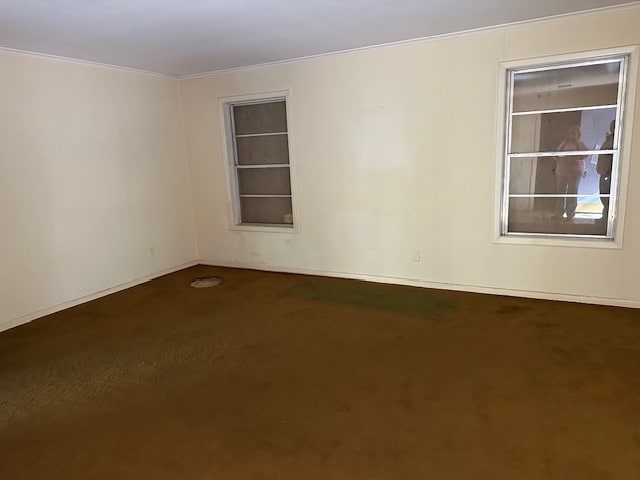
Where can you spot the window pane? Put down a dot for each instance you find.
(541, 215)
(266, 210)
(262, 150)
(264, 181)
(550, 132)
(546, 175)
(568, 87)
(568, 109)
(260, 118)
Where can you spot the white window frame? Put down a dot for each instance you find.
(624, 130)
(225, 109)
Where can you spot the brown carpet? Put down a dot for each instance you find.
(275, 376)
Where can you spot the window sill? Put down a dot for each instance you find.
(264, 227)
(557, 241)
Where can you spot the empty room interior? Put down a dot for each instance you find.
(320, 240)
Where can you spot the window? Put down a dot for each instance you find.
(563, 134)
(258, 154)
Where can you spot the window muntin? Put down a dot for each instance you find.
(542, 165)
(261, 169)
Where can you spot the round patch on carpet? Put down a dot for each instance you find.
(205, 282)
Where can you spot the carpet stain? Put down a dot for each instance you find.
(425, 303)
(284, 376)
(510, 309)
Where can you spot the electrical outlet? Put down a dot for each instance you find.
(152, 252)
(415, 255)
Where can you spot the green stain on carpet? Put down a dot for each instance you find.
(426, 303)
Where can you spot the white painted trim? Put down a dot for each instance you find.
(627, 106)
(228, 157)
(265, 228)
(414, 282)
(461, 33)
(92, 296)
(187, 159)
(59, 58)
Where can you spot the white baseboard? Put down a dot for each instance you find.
(541, 295)
(615, 302)
(87, 298)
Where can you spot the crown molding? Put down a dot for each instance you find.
(430, 38)
(79, 61)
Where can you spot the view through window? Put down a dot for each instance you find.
(562, 148)
(261, 171)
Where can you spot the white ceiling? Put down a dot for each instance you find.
(182, 37)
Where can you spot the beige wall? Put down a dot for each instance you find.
(395, 151)
(93, 173)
